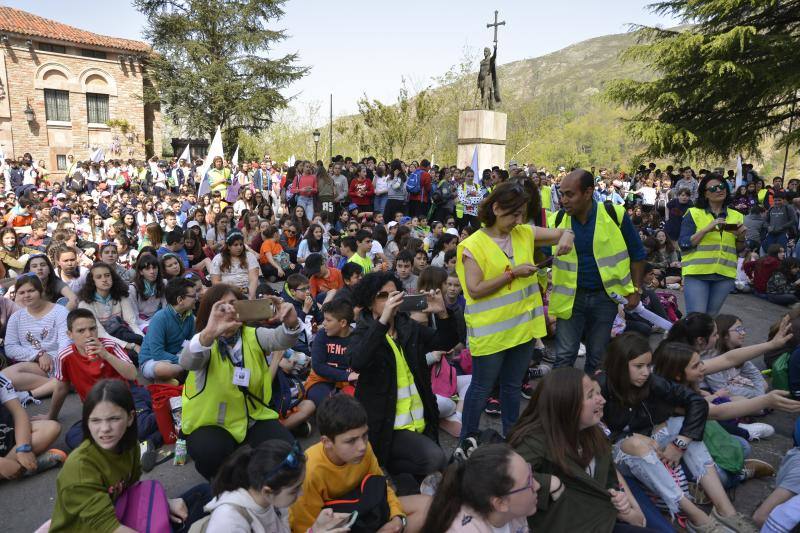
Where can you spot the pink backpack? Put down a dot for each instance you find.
(444, 380)
(144, 507)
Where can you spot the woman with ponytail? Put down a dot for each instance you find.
(255, 486)
(493, 490)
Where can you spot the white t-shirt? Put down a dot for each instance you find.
(376, 249)
(648, 195)
(237, 275)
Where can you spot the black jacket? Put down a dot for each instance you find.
(665, 396)
(373, 359)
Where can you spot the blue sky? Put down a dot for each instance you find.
(358, 46)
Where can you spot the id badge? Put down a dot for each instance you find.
(241, 377)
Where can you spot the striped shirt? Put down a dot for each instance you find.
(26, 335)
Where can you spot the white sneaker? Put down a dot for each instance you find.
(581, 350)
(758, 430)
(674, 286)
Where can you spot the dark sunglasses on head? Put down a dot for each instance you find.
(292, 461)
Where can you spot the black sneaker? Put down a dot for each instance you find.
(493, 407)
(149, 456)
(465, 449)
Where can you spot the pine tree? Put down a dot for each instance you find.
(724, 84)
(211, 64)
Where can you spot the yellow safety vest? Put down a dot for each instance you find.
(761, 195)
(610, 254)
(218, 175)
(218, 402)
(409, 413)
(716, 252)
(514, 314)
(547, 199)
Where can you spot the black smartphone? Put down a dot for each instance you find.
(413, 302)
(730, 227)
(546, 263)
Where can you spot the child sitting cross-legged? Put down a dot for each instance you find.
(330, 366)
(341, 465)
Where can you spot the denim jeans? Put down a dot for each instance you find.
(380, 202)
(705, 296)
(593, 313)
(307, 203)
(510, 366)
(654, 474)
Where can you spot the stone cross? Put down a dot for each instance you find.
(495, 25)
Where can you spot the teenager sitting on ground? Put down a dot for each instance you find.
(169, 330)
(106, 295)
(330, 363)
(34, 336)
(559, 434)
(493, 490)
(338, 465)
(255, 487)
(24, 443)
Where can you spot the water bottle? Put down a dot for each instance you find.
(180, 453)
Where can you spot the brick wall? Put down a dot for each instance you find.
(25, 73)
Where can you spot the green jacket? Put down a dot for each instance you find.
(585, 505)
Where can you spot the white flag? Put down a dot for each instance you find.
(235, 158)
(97, 156)
(739, 176)
(185, 155)
(213, 151)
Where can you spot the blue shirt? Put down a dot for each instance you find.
(588, 273)
(165, 336)
(181, 254)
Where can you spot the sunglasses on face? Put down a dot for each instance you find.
(716, 188)
(382, 295)
(741, 330)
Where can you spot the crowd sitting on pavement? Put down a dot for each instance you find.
(222, 315)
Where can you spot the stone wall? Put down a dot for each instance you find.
(26, 73)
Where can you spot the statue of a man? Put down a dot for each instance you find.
(487, 80)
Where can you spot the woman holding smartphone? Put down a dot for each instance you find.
(711, 235)
(504, 310)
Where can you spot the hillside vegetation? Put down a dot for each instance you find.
(556, 115)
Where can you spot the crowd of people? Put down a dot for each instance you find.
(376, 304)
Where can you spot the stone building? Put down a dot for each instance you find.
(66, 91)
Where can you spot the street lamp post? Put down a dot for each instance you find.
(316, 135)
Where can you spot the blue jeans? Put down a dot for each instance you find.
(705, 296)
(593, 313)
(380, 202)
(780, 238)
(307, 203)
(510, 366)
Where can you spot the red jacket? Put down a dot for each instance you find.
(366, 188)
(307, 180)
(425, 188)
(760, 271)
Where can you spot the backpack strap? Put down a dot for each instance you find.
(610, 209)
(559, 218)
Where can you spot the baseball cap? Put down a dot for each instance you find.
(60, 196)
(391, 224)
(313, 264)
(105, 193)
(351, 207)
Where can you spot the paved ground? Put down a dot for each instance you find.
(27, 503)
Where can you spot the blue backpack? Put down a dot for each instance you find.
(414, 182)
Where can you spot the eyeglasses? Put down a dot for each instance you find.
(716, 188)
(528, 485)
(304, 289)
(190, 295)
(292, 461)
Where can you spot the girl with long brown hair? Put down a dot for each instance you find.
(236, 266)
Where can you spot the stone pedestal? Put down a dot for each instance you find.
(485, 130)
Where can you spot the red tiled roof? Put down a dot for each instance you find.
(24, 23)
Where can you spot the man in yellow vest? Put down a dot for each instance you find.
(607, 261)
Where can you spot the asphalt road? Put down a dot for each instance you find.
(27, 503)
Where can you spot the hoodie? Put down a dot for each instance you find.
(226, 517)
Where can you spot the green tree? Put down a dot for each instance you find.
(726, 83)
(211, 64)
(391, 128)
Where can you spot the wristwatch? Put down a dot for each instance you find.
(24, 448)
(403, 520)
(680, 443)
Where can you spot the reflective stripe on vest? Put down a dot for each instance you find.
(611, 257)
(716, 251)
(514, 314)
(409, 412)
(218, 402)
